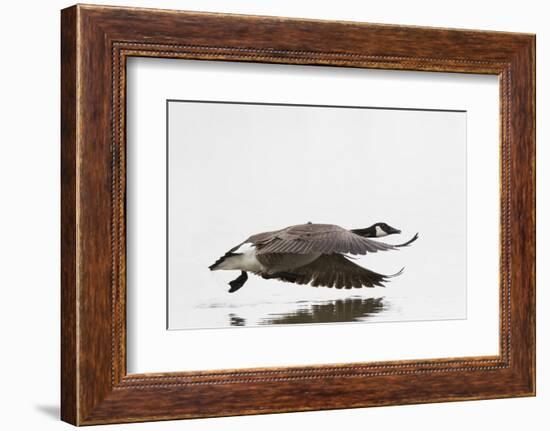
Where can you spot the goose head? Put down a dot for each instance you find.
(377, 230)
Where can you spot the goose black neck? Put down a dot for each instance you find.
(368, 232)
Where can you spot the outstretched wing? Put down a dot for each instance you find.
(335, 271)
(318, 238)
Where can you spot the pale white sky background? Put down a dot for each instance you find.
(237, 169)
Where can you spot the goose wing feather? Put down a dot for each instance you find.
(318, 238)
(336, 271)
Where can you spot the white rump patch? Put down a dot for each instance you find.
(245, 248)
(245, 260)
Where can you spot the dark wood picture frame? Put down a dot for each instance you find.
(95, 43)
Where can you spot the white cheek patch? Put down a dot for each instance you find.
(380, 232)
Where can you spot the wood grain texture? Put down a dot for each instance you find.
(96, 41)
(69, 398)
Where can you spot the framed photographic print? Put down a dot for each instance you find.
(324, 214)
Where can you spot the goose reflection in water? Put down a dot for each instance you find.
(340, 310)
(235, 320)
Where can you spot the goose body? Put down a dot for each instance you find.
(258, 264)
(310, 254)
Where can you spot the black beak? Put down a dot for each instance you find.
(393, 230)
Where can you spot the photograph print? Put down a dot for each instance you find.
(282, 214)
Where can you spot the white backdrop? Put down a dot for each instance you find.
(151, 348)
(29, 228)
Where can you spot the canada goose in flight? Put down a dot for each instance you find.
(310, 253)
